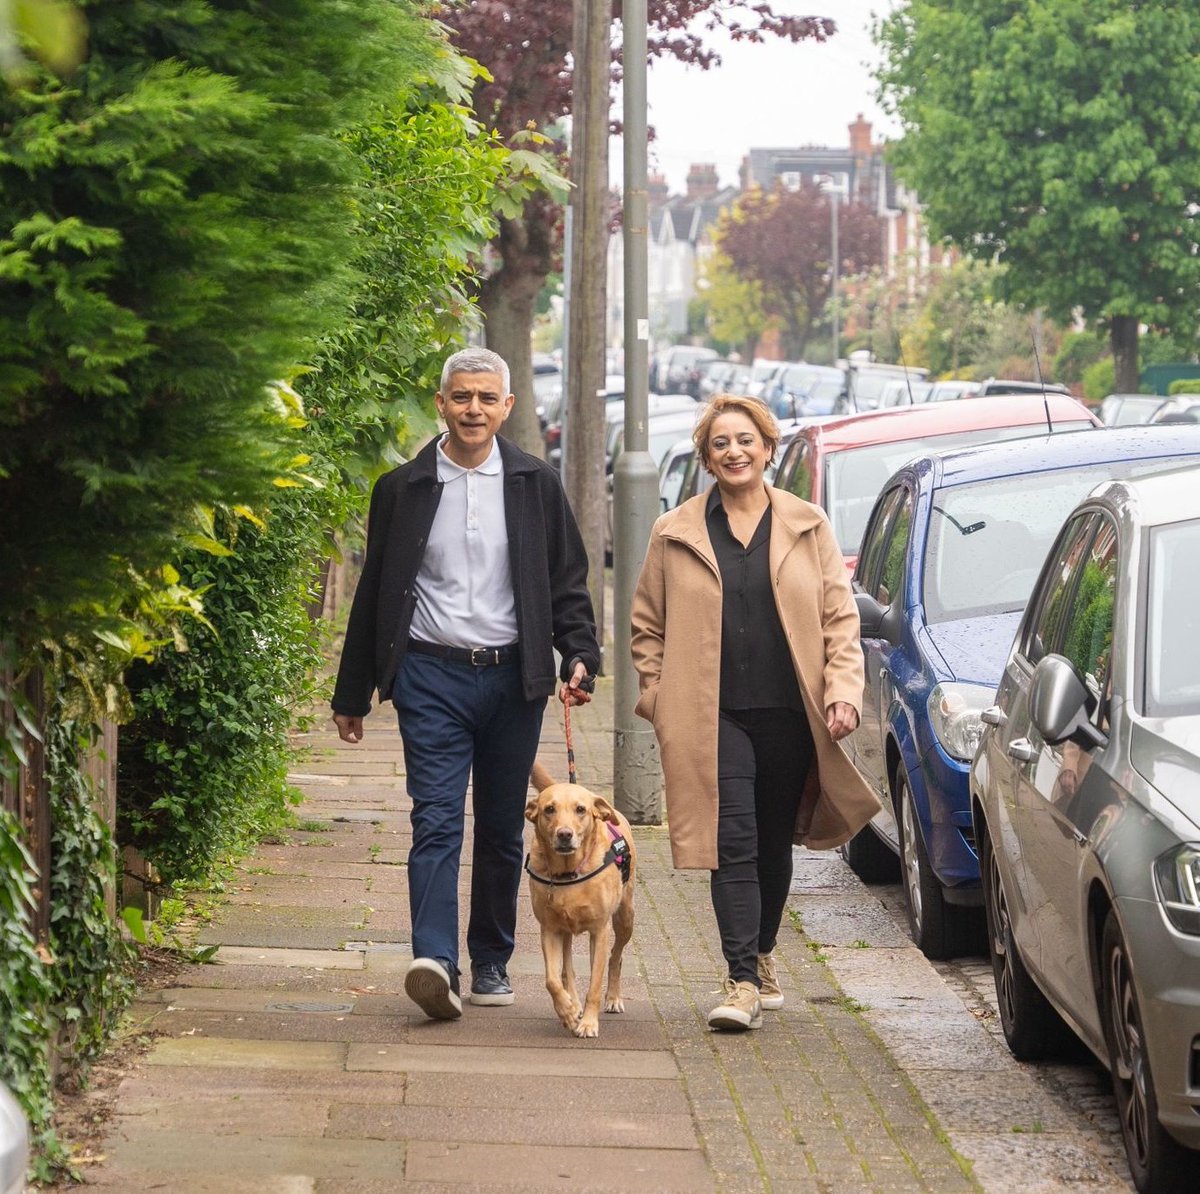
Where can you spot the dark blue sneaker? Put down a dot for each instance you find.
(490, 986)
(433, 986)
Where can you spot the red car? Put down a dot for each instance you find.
(842, 464)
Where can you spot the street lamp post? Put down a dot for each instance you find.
(835, 186)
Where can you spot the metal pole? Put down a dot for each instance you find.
(835, 199)
(637, 777)
(564, 406)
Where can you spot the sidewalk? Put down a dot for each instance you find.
(296, 1063)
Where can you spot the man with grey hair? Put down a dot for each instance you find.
(475, 574)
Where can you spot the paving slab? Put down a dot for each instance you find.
(618, 1169)
(224, 1051)
(323, 959)
(581, 1061)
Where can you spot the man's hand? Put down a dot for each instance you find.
(350, 729)
(573, 692)
(841, 720)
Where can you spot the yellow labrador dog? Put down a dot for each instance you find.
(581, 869)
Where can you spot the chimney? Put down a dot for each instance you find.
(656, 190)
(860, 137)
(702, 181)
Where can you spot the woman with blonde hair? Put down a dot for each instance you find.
(745, 640)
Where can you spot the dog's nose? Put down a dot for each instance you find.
(563, 835)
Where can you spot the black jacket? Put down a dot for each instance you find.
(549, 569)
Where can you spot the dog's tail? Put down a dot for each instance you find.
(540, 777)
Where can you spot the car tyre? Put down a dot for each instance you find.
(940, 930)
(871, 858)
(1157, 1161)
(1032, 1028)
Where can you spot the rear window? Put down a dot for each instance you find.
(855, 477)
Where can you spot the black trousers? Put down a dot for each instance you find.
(763, 757)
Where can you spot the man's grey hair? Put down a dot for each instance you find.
(477, 360)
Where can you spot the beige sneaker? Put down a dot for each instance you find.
(770, 993)
(741, 1009)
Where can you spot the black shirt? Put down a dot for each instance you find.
(756, 664)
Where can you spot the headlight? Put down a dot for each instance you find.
(1177, 881)
(954, 711)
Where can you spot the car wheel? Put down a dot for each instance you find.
(1032, 1028)
(870, 857)
(1156, 1160)
(938, 928)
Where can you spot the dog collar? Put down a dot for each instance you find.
(617, 853)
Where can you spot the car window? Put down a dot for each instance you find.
(988, 540)
(1089, 627)
(1173, 622)
(875, 542)
(891, 577)
(1044, 630)
(675, 470)
(855, 476)
(799, 476)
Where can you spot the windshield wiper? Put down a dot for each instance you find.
(963, 530)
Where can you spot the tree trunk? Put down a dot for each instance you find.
(1124, 337)
(585, 424)
(507, 299)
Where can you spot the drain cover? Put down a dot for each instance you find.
(310, 1007)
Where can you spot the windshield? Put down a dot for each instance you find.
(987, 541)
(1173, 622)
(855, 477)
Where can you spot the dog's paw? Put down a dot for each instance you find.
(589, 1026)
(614, 1005)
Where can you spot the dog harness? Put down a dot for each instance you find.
(617, 852)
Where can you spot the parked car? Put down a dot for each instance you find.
(708, 377)
(673, 367)
(662, 434)
(547, 386)
(1179, 408)
(806, 389)
(763, 375)
(673, 471)
(842, 463)
(14, 1144)
(552, 433)
(904, 391)
(951, 554)
(1124, 410)
(865, 381)
(951, 390)
(1086, 808)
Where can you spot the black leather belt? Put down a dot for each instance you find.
(475, 656)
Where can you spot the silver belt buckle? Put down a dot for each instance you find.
(482, 656)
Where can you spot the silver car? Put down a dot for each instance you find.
(14, 1144)
(1086, 807)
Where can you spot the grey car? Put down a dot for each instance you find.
(1086, 809)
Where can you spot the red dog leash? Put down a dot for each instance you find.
(587, 684)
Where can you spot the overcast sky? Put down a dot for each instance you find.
(774, 94)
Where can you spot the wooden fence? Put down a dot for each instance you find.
(28, 798)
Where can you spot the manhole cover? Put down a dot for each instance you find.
(310, 1007)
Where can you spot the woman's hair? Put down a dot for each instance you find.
(755, 411)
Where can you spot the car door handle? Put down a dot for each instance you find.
(1021, 748)
(995, 716)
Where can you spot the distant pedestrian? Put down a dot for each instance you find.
(745, 639)
(475, 573)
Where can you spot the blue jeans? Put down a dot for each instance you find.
(457, 720)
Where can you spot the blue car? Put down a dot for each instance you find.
(949, 558)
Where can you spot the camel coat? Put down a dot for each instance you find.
(676, 645)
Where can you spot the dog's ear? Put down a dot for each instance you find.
(603, 811)
(531, 807)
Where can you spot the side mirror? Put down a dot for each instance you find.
(877, 621)
(1061, 704)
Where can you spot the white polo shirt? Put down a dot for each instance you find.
(464, 585)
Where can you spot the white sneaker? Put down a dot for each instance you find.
(770, 993)
(742, 1009)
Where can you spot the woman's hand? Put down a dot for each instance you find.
(841, 719)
